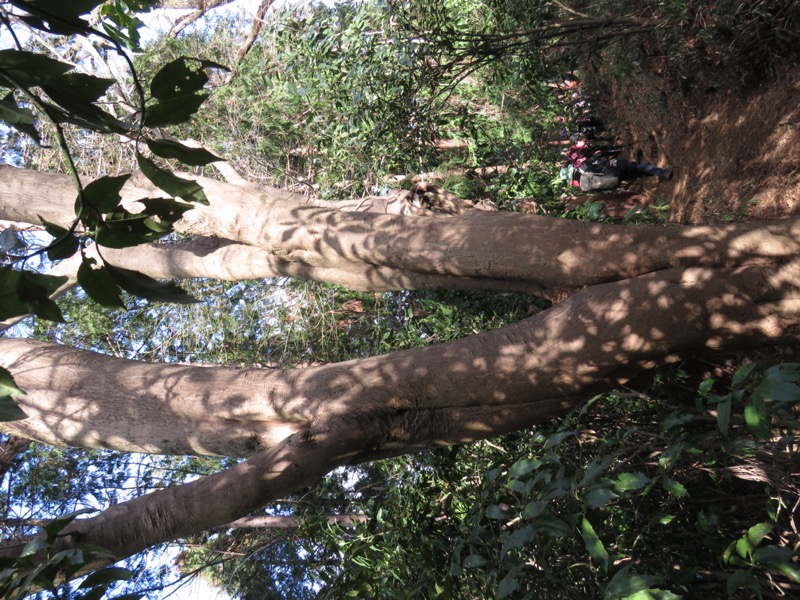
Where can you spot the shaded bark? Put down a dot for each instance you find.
(9, 450)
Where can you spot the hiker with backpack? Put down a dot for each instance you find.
(593, 171)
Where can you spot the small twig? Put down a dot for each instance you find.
(570, 10)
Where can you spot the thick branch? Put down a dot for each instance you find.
(527, 251)
(444, 394)
(360, 410)
(130, 527)
(217, 258)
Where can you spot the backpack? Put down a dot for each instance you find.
(598, 175)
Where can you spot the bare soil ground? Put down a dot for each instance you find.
(733, 139)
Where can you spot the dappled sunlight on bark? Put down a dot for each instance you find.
(635, 296)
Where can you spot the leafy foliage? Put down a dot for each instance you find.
(64, 96)
(600, 505)
(20, 575)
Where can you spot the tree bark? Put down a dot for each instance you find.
(491, 250)
(652, 293)
(291, 522)
(486, 384)
(9, 450)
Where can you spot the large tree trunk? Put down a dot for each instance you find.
(495, 381)
(652, 293)
(371, 251)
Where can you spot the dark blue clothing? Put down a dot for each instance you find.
(629, 169)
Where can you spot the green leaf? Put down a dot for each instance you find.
(87, 87)
(121, 25)
(146, 287)
(724, 405)
(177, 79)
(519, 539)
(742, 548)
(599, 497)
(594, 546)
(53, 26)
(95, 594)
(706, 385)
(631, 481)
(773, 554)
(176, 88)
(755, 415)
(498, 513)
(98, 285)
(597, 466)
(789, 570)
(743, 578)
(55, 527)
(780, 384)
(674, 419)
(104, 193)
(507, 586)
(167, 211)
(10, 304)
(674, 487)
(10, 410)
(174, 111)
(757, 533)
(8, 386)
(624, 584)
(77, 106)
(19, 117)
(524, 466)
(32, 291)
(665, 519)
(784, 372)
(34, 546)
(123, 230)
(474, 561)
(196, 157)
(653, 594)
(547, 525)
(534, 509)
(106, 576)
(557, 438)
(191, 191)
(70, 11)
(29, 69)
(9, 241)
(63, 246)
(742, 374)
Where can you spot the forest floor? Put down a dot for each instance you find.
(733, 138)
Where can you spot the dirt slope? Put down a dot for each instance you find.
(735, 147)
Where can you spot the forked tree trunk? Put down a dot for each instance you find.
(651, 293)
